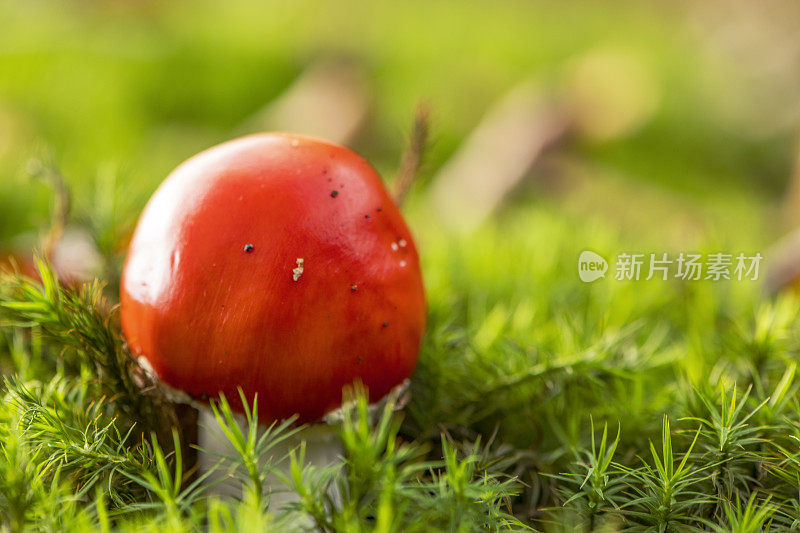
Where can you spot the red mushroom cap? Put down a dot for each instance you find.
(279, 264)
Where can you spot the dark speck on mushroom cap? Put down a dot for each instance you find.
(334, 193)
(248, 248)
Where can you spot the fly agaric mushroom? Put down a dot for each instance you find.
(277, 264)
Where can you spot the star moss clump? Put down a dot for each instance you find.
(539, 402)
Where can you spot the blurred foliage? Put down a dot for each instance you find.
(140, 86)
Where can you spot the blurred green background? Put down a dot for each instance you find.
(555, 127)
(675, 109)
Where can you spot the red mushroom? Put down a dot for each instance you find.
(277, 264)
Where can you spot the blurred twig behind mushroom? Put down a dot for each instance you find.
(496, 156)
(330, 99)
(413, 153)
(604, 95)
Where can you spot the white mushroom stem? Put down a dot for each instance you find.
(322, 449)
(322, 444)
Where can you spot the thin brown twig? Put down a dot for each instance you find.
(62, 204)
(413, 154)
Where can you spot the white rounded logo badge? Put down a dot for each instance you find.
(591, 266)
